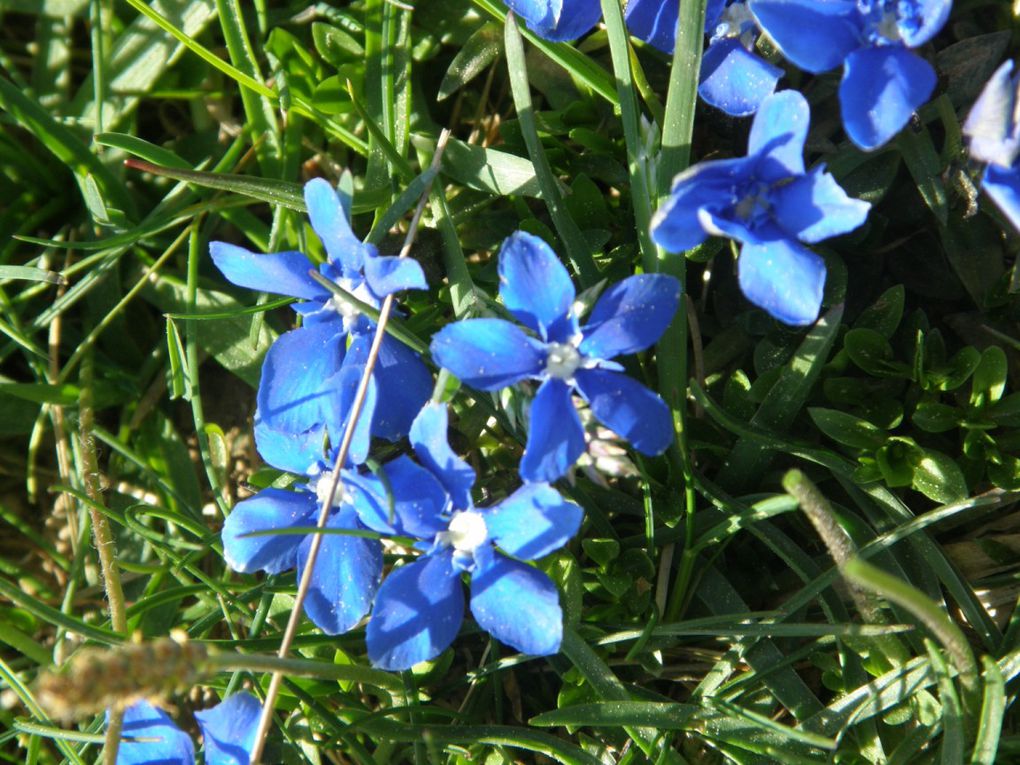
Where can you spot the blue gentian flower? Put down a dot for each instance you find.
(733, 78)
(348, 568)
(228, 732)
(994, 131)
(420, 607)
(558, 20)
(769, 203)
(490, 354)
(299, 387)
(883, 82)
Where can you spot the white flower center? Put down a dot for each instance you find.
(467, 532)
(321, 485)
(348, 310)
(562, 361)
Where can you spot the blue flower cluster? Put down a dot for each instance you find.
(993, 127)
(150, 737)
(425, 502)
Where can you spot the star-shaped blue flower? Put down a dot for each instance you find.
(733, 78)
(228, 732)
(558, 20)
(883, 82)
(769, 203)
(299, 387)
(348, 568)
(420, 606)
(490, 354)
(994, 131)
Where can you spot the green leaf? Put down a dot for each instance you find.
(934, 417)
(41, 393)
(602, 551)
(336, 46)
(28, 273)
(925, 167)
(283, 193)
(989, 381)
(142, 148)
(653, 714)
(870, 351)
(478, 53)
(846, 429)
(939, 478)
(993, 709)
(885, 314)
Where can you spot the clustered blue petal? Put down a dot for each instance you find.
(558, 20)
(769, 203)
(305, 370)
(993, 128)
(883, 82)
(420, 606)
(490, 354)
(150, 737)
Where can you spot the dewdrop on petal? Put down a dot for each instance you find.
(95, 679)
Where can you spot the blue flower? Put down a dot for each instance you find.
(769, 203)
(420, 607)
(299, 387)
(883, 82)
(228, 731)
(733, 78)
(994, 132)
(490, 354)
(558, 20)
(348, 568)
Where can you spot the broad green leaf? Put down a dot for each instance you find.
(478, 53)
(938, 477)
(846, 429)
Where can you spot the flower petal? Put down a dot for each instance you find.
(386, 275)
(881, 88)
(329, 220)
(283, 273)
(171, 746)
(518, 605)
(920, 20)
(991, 125)
(778, 133)
(404, 383)
(487, 354)
(630, 316)
(533, 521)
(418, 612)
(296, 388)
(654, 21)
(784, 278)
(735, 80)
(269, 509)
(628, 408)
(536, 287)
(558, 20)
(814, 207)
(816, 36)
(344, 388)
(413, 496)
(1003, 186)
(555, 435)
(229, 728)
(346, 575)
(293, 452)
(676, 226)
(432, 447)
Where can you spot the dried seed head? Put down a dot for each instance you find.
(108, 678)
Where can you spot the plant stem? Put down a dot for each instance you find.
(345, 444)
(103, 537)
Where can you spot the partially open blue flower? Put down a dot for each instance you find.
(420, 607)
(993, 127)
(733, 78)
(348, 568)
(769, 203)
(490, 354)
(228, 732)
(883, 82)
(301, 373)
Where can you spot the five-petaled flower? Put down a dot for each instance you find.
(993, 127)
(228, 732)
(883, 82)
(490, 354)
(769, 203)
(299, 389)
(420, 606)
